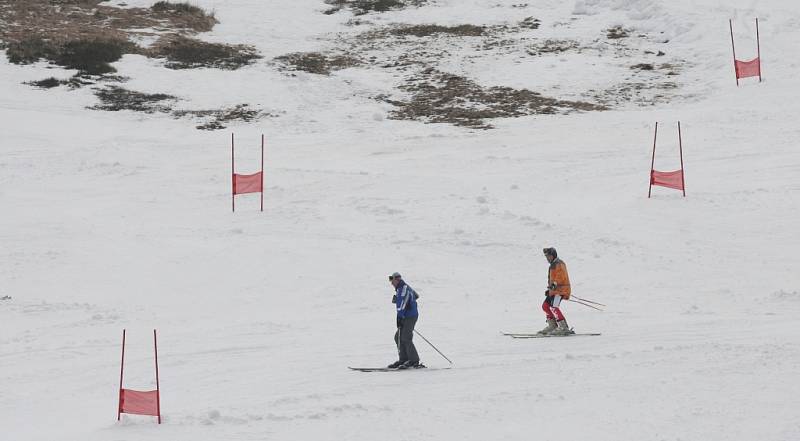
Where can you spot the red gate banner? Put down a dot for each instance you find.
(243, 184)
(247, 183)
(139, 402)
(746, 69)
(670, 179)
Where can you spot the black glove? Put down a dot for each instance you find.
(552, 285)
(399, 322)
(547, 292)
(394, 298)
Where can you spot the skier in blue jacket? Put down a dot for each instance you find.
(405, 299)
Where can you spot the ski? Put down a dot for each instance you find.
(385, 369)
(581, 334)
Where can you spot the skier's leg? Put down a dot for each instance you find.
(551, 319)
(401, 349)
(555, 311)
(406, 339)
(546, 308)
(563, 327)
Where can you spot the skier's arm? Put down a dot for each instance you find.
(403, 301)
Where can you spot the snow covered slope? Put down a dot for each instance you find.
(112, 220)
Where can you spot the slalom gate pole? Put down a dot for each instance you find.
(587, 301)
(733, 47)
(121, 370)
(584, 304)
(233, 179)
(680, 148)
(434, 347)
(758, 46)
(652, 161)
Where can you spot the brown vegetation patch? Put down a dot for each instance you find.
(316, 62)
(642, 66)
(552, 47)
(215, 119)
(86, 35)
(189, 53)
(440, 97)
(616, 32)
(115, 98)
(361, 7)
(530, 23)
(465, 30)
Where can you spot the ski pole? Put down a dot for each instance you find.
(434, 347)
(588, 301)
(585, 304)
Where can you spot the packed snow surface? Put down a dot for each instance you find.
(112, 220)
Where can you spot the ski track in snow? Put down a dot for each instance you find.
(116, 220)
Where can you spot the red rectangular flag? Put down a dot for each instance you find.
(750, 68)
(672, 179)
(247, 183)
(139, 403)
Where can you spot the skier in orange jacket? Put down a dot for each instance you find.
(558, 289)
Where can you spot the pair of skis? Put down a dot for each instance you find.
(537, 335)
(387, 369)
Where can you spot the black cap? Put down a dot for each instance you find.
(550, 252)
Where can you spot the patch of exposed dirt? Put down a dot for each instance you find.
(216, 119)
(36, 29)
(115, 98)
(643, 66)
(88, 36)
(361, 7)
(188, 53)
(75, 82)
(440, 97)
(465, 30)
(530, 23)
(637, 92)
(317, 62)
(428, 94)
(550, 46)
(617, 32)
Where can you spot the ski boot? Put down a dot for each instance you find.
(411, 365)
(396, 364)
(563, 329)
(551, 326)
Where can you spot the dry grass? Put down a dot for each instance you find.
(465, 30)
(361, 7)
(316, 62)
(115, 98)
(440, 97)
(188, 53)
(61, 30)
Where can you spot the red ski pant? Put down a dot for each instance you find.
(551, 309)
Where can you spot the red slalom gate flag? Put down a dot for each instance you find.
(252, 183)
(745, 69)
(669, 179)
(139, 403)
(672, 179)
(247, 183)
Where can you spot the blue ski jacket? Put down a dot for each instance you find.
(406, 301)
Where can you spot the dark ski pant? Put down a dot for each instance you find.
(403, 338)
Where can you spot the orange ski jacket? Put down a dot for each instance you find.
(557, 274)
